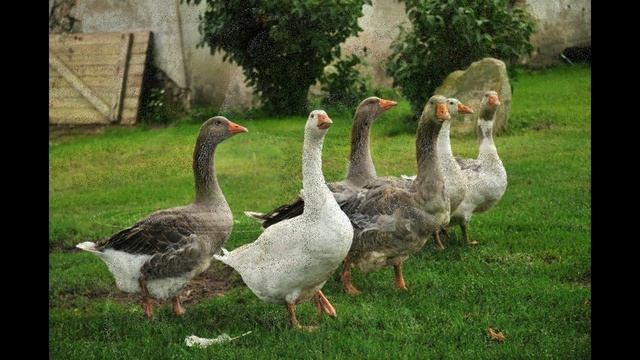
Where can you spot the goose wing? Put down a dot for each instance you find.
(159, 232)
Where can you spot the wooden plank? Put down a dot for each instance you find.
(112, 60)
(129, 116)
(120, 80)
(104, 92)
(78, 85)
(75, 116)
(97, 38)
(92, 81)
(82, 103)
(96, 49)
(131, 109)
(85, 71)
(112, 70)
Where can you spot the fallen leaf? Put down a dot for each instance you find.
(496, 335)
(587, 302)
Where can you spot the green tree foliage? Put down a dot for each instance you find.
(282, 46)
(345, 85)
(448, 35)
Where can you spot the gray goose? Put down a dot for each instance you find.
(161, 253)
(392, 220)
(361, 170)
(454, 180)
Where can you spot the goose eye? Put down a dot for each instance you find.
(218, 122)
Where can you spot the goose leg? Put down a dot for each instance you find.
(465, 235)
(293, 319)
(323, 305)
(177, 307)
(399, 279)
(436, 234)
(445, 232)
(346, 278)
(147, 302)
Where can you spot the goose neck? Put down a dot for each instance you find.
(316, 192)
(361, 168)
(429, 179)
(206, 183)
(444, 141)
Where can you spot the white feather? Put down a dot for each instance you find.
(125, 269)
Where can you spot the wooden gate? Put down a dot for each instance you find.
(96, 78)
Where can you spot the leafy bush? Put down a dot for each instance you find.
(282, 46)
(345, 86)
(450, 35)
(153, 108)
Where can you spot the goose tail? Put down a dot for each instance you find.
(89, 246)
(257, 216)
(224, 257)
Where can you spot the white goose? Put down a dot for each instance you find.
(361, 169)
(485, 176)
(291, 260)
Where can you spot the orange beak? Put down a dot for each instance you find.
(464, 109)
(493, 100)
(387, 104)
(442, 113)
(236, 129)
(324, 122)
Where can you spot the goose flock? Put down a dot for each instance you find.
(364, 221)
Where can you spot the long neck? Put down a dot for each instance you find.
(361, 168)
(487, 148)
(316, 192)
(429, 180)
(207, 188)
(444, 142)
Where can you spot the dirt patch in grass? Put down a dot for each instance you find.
(215, 281)
(218, 279)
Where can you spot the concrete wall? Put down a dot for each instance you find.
(158, 16)
(175, 28)
(211, 81)
(560, 24)
(380, 25)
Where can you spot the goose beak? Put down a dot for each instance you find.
(442, 113)
(464, 109)
(324, 122)
(387, 104)
(236, 129)
(493, 100)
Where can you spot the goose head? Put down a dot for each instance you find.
(488, 105)
(219, 128)
(490, 99)
(436, 109)
(371, 108)
(318, 123)
(456, 107)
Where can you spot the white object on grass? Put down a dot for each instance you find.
(204, 342)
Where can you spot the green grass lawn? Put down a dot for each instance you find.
(530, 277)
